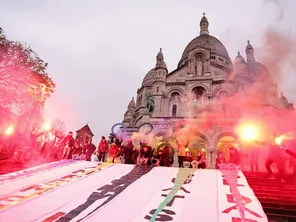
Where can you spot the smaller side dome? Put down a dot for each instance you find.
(149, 78)
(239, 58)
(131, 106)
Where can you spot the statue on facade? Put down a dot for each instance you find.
(150, 103)
(198, 67)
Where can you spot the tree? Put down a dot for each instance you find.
(24, 82)
(6, 118)
(59, 126)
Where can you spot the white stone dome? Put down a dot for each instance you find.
(149, 78)
(208, 42)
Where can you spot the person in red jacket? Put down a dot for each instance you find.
(220, 160)
(89, 148)
(113, 152)
(188, 160)
(235, 156)
(68, 143)
(103, 149)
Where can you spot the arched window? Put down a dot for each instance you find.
(198, 92)
(175, 95)
(174, 111)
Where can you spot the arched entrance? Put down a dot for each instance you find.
(196, 144)
(163, 137)
(198, 93)
(224, 143)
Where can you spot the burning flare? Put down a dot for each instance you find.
(9, 131)
(46, 126)
(278, 140)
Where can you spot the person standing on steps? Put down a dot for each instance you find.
(68, 143)
(254, 160)
(220, 160)
(201, 160)
(293, 155)
(274, 156)
(103, 149)
(181, 151)
(128, 151)
(235, 156)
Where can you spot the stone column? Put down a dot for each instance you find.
(190, 66)
(211, 155)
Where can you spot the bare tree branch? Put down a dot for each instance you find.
(23, 77)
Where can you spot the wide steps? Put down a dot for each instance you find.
(277, 198)
(273, 217)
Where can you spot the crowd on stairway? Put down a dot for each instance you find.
(55, 147)
(127, 152)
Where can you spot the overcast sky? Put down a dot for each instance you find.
(99, 51)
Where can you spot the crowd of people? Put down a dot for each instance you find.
(126, 152)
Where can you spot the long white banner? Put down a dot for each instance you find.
(42, 176)
(34, 170)
(128, 193)
(171, 194)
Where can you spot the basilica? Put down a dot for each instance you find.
(204, 73)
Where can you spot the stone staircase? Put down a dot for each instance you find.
(277, 198)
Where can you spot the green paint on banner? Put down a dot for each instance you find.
(182, 176)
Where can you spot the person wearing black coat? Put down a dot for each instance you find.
(128, 151)
(146, 155)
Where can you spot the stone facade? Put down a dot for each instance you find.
(202, 75)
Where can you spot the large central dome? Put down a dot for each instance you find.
(206, 41)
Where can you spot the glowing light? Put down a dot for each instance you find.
(203, 150)
(278, 140)
(248, 132)
(46, 126)
(187, 149)
(9, 131)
